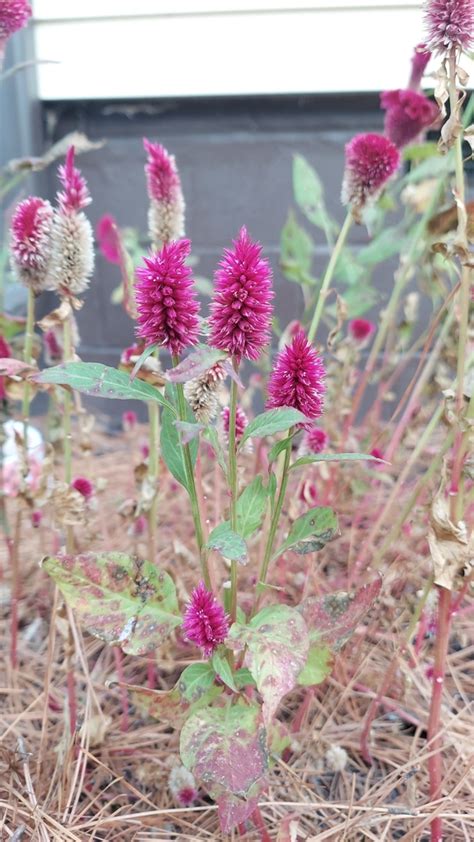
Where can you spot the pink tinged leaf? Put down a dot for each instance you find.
(276, 644)
(119, 599)
(16, 368)
(332, 619)
(195, 364)
(225, 748)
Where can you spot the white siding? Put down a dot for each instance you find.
(158, 48)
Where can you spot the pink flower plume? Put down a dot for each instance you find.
(166, 299)
(361, 329)
(297, 379)
(108, 238)
(75, 195)
(449, 24)
(241, 309)
(241, 421)
(14, 15)
(371, 161)
(30, 241)
(205, 622)
(407, 114)
(419, 63)
(162, 176)
(315, 440)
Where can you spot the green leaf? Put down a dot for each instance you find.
(387, 244)
(11, 326)
(309, 194)
(276, 645)
(222, 668)
(194, 681)
(244, 678)
(102, 382)
(228, 543)
(420, 151)
(311, 531)
(297, 249)
(251, 507)
(317, 667)
(348, 270)
(118, 598)
(148, 352)
(434, 167)
(225, 747)
(273, 421)
(333, 457)
(171, 447)
(331, 619)
(211, 435)
(279, 447)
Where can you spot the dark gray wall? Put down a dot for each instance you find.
(235, 160)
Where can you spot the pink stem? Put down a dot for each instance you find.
(118, 656)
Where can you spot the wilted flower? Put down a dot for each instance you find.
(36, 518)
(241, 310)
(182, 786)
(205, 622)
(407, 114)
(361, 329)
(419, 62)
(371, 160)
(297, 379)
(166, 212)
(108, 238)
(241, 421)
(14, 15)
(202, 393)
(30, 242)
(336, 758)
(450, 24)
(315, 440)
(83, 486)
(166, 299)
(53, 340)
(73, 252)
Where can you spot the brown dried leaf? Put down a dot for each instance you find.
(341, 315)
(451, 546)
(79, 140)
(95, 729)
(69, 506)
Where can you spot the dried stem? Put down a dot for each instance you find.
(68, 354)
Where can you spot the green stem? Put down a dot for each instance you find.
(233, 494)
(191, 486)
(328, 276)
(153, 458)
(403, 276)
(273, 527)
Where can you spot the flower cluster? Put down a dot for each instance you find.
(361, 329)
(297, 379)
(166, 299)
(241, 422)
(14, 15)
(408, 113)
(202, 393)
(450, 24)
(166, 211)
(419, 63)
(108, 238)
(205, 622)
(315, 440)
(371, 161)
(30, 242)
(241, 310)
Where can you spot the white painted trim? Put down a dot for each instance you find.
(57, 10)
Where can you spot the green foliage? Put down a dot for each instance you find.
(333, 457)
(272, 421)
(310, 532)
(317, 667)
(296, 253)
(251, 507)
(103, 382)
(171, 449)
(309, 195)
(119, 599)
(228, 543)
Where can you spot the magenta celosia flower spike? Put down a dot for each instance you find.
(75, 195)
(361, 329)
(14, 15)
(166, 212)
(297, 379)
(408, 113)
(371, 160)
(205, 622)
(241, 309)
(30, 242)
(73, 252)
(241, 422)
(449, 24)
(419, 63)
(315, 440)
(166, 299)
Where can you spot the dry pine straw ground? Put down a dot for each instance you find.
(113, 784)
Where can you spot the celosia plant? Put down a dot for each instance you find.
(244, 617)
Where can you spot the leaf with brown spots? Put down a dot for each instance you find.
(225, 747)
(120, 599)
(276, 644)
(332, 619)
